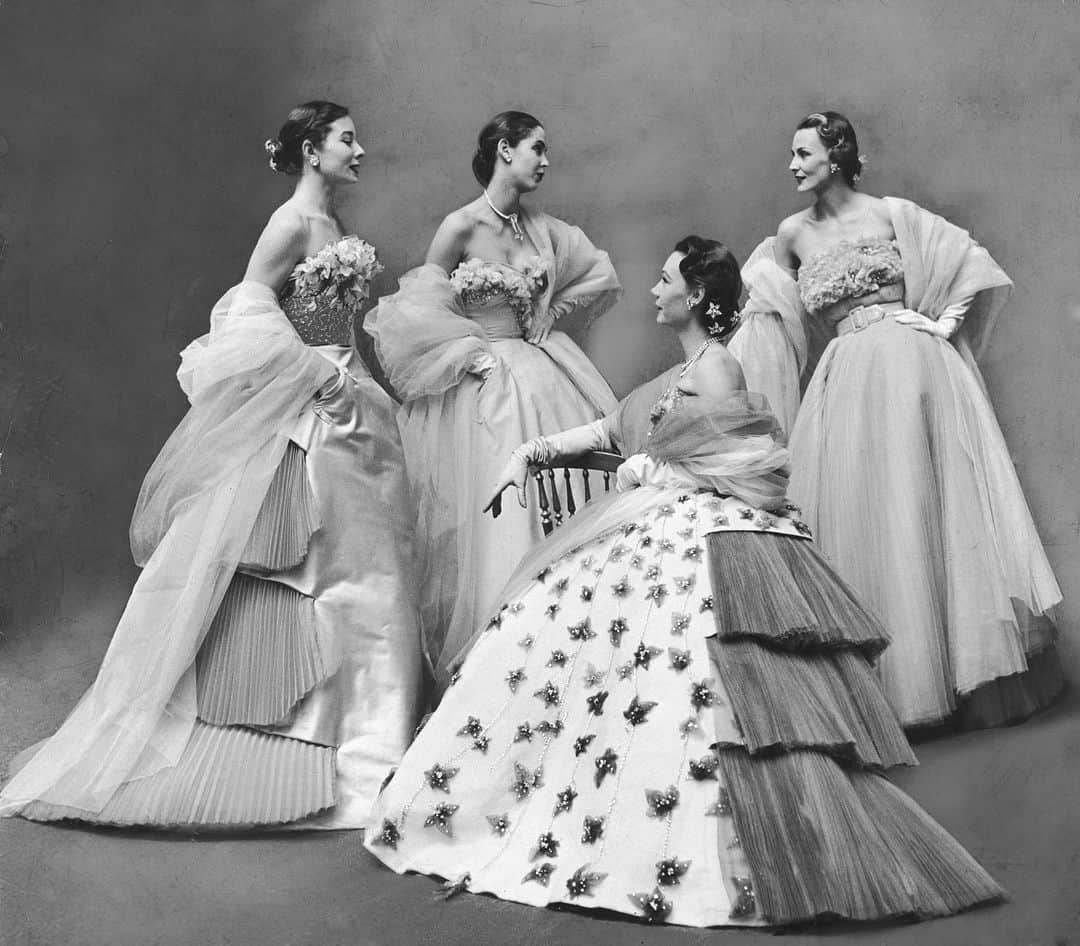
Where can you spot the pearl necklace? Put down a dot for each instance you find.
(689, 363)
(511, 219)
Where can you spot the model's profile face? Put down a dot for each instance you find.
(670, 292)
(809, 160)
(340, 152)
(529, 160)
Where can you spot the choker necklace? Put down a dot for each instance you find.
(511, 219)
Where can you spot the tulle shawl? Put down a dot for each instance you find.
(426, 344)
(733, 446)
(247, 382)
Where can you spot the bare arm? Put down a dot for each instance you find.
(786, 235)
(281, 246)
(448, 244)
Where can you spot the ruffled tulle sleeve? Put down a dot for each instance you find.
(583, 279)
(943, 265)
(248, 381)
(771, 342)
(423, 340)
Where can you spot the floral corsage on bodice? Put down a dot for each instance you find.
(476, 282)
(339, 275)
(851, 269)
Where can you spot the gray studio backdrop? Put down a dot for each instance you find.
(133, 185)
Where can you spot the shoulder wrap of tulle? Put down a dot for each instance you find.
(423, 339)
(583, 279)
(732, 446)
(247, 381)
(943, 265)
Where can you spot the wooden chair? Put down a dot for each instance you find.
(557, 500)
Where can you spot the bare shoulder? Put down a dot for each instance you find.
(717, 374)
(450, 239)
(282, 244)
(787, 238)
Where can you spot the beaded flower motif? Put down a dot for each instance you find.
(477, 281)
(340, 272)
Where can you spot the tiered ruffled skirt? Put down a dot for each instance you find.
(682, 726)
(308, 678)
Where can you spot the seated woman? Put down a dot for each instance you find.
(673, 714)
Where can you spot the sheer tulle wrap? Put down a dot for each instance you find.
(473, 389)
(771, 342)
(247, 381)
(906, 480)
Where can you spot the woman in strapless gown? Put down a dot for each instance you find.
(266, 669)
(467, 344)
(897, 458)
(672, 714)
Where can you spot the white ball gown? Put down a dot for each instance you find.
(673, 714)
(472, 388)
(266, 669)
(903, 474)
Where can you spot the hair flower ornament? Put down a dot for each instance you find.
(272, 146)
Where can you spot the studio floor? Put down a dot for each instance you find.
(1012, 796)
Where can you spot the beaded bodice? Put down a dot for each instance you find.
(849, 270)
(319, 318)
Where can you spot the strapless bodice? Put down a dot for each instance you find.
(497, 296)
(325, 289)
(855, 272)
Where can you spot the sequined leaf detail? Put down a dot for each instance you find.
(592, 829)
(670, 870)
(500, 824)
(638, 711)
(388, 835)
(582, 881)
(680, 621)
(439, 777)
(706, 604)
(661, 802)
(596, 702)
(655, 906)
(704, 769)
(514, 677)
(541, 873)
(564, 800)
(606, 763)
(701, 694)
(745, 903)
(657, 593)
(617, 629)
(471, 728)
(552, 609)
(525, 781)
(440, 818)
(594, 676)
(547, 845)
(581, 631)
(684, 583)
(547, 727)
(549, 693)
(557, 659)
(680, 659)
(621, 588)
(581, 744)
(643, 655)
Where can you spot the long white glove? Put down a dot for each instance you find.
(541, 451)
(944, 326)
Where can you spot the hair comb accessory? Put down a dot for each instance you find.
(272, 146)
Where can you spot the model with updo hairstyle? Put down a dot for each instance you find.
(672, 712)
(898, 459)
(838, 136)
(470, 346)
(711, 266)
(310, 122)
(266, 669)
(511, 127)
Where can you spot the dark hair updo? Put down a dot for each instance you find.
(514, 127)
(711, 266)
(838, 136)
(308, 122)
